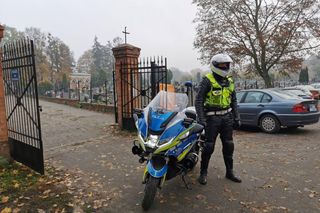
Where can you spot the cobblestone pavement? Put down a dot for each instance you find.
(280, 172)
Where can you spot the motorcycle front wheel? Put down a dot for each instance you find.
(150, 191)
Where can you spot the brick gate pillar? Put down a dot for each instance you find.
(126, 58)
(4, 145)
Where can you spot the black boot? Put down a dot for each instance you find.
(230, 175)
(202, 179)
(229, 168)
(203, 169)
(205, 158)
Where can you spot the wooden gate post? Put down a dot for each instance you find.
(4, 145)
(126, 56)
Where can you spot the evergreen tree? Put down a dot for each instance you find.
(65, 82)
(99, 68)
(102, 61)
(304, 76)
(169, 76)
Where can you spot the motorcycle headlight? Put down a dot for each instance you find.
(152, 142)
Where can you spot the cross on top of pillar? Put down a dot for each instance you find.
(125, 34)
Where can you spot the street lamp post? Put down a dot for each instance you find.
(106, 91)
(90, 90)
(79, 90)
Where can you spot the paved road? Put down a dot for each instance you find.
(63, 125)
(281, 172)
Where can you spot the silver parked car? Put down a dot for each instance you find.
(297, 92)
(271, 109)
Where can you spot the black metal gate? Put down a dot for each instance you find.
(22, 104)
(140, 83)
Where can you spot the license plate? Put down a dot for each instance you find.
(312, 108)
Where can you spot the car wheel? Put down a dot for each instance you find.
(269, 123)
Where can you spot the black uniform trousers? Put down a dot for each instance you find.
(223, 125)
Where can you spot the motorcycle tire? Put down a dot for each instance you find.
(150, 191)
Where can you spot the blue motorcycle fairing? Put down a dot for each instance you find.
(157, 119)
(177, 150)
(156, 173)
(142, 125)
(172, 131)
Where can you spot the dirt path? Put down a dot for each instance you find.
(281, 173)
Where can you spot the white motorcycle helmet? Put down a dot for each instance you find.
(220, 64)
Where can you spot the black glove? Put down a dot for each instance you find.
(236, 123)
(203, 123)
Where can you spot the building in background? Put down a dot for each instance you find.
(80, 86)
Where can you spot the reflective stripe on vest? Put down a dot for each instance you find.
(219, 96)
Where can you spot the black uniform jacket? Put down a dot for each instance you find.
(204, 88)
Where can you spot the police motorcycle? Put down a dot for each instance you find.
(169, 141)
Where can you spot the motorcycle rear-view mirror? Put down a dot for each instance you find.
(138, 112)
(191, 114)
(135, 117)
(198, 128)
(187, 122)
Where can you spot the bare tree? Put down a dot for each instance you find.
(268, 34)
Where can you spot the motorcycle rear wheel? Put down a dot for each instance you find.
(150, 191)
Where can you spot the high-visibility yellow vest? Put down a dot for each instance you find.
(219, 96)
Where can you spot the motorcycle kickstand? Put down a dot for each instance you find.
(185, 182)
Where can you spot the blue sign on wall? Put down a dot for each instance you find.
(14, 75)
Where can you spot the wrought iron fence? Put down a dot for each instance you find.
(22, 105)
(140, 81)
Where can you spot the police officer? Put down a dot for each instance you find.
(216, 106)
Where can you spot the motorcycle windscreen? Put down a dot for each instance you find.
(158, 120)
(162, 109)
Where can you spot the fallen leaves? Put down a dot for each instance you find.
(4, 199)
(312, 194)
(253, 206)
(46, 192)
(16, 210)
(200, 197)
(22, 190)
(9, 210)
(6, 210)
(16, 185)
(267, 186)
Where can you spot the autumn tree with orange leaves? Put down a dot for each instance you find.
(267, 35)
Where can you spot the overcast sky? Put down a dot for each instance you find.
(158, 27)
